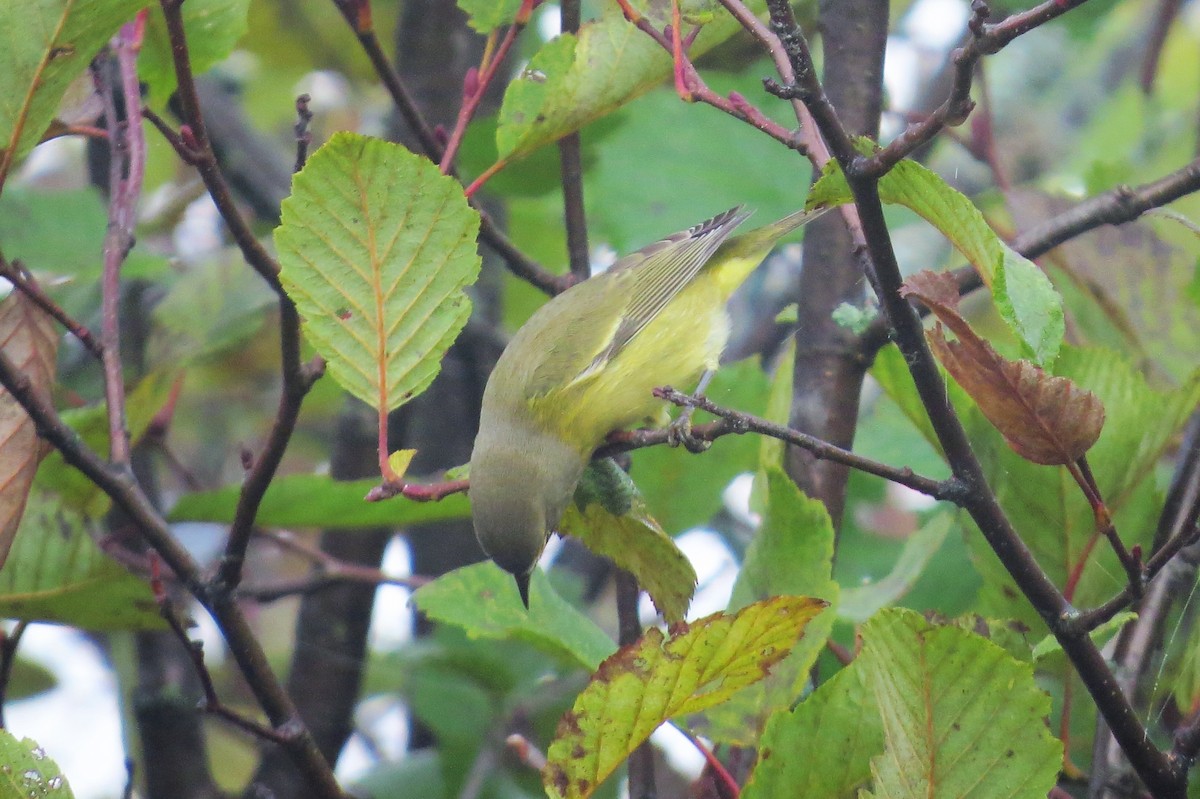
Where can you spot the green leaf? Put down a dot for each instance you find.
(313, 500)
(683, 490)
(609, 515)
(376, 247)
(47, 44)
(213, 28)
(575, 79)
(837, 726)
(70, 486)
(28, 771)
(1122, 309)
(56, 573)
(961, 718)
(791, 554)
(658, 678)
(486, 16)
(210, 310)
(1023, 294)
(861, 602)
(482, 600)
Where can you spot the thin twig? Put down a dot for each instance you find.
(476, 83)
(950, 490)
(987, 39)
(194, 136)
(24, 281)
(303, 134)
(127, 166)
(724, 781)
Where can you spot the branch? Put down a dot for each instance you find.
(951, 490)
(127, 168)
(24, 281)
(194, 136)
(986, 40)
(1159, 773)
(121, 487)
(1114, 207)
(570, 158)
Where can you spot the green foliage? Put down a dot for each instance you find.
(376, 246)
(791, 554)
(659, 678)
(946, 734)
(56, 572)
(488, 15)
(213, 28)
(575, 79)
(482, 600)
(1023, 294)
(837, 726)
(861, 602)
(28, 771)
(313, 500)
(48, 44)
(610, 517)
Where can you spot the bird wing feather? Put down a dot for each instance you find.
(620, 303)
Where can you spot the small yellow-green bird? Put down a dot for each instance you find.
(586, 363)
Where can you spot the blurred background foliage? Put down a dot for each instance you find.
(1071, 115)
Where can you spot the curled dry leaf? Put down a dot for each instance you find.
(28, 339)
(1045, 419)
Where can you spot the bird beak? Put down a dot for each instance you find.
(523, 587)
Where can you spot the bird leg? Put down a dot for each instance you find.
(679, 431)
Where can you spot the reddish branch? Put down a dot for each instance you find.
(126, 171)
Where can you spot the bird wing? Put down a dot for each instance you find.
(654, 275)
(610, 309)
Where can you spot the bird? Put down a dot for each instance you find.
(585, 364)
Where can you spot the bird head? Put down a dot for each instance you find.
(520, 487)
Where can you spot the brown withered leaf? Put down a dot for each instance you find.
(28, 339)
(1045, 419)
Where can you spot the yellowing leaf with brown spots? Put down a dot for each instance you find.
(660, 677)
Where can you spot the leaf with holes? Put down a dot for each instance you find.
(28, 771)
(30, 342)
(47, 44)
(658, 678)
(1045, 419)
(609, 515)
(376, 247)
(961, 717)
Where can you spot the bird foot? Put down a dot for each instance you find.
(680, 432)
